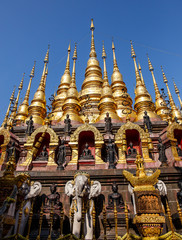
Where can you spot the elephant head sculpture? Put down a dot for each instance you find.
(82, 189)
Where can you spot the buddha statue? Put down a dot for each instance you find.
(115, 197)
(132, 152)
(147, 122)
(43, 156)
(178, 148)
(162, 155)
(53, 199)
(86, 154)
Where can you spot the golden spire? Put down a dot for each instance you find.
(92, 50)
(71, 105)
(177, 92)
(120, 92)
(62, 90)
(23, 108)
(92, 85)
(143, 100)
(161, 108)
(8, 110)
(37, 108)
(141, 75)
(107, 104)
(13, 113)
(174, 111)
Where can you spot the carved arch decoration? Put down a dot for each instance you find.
(120, 140)
(173, 140)
(86, 127)
(54, 140)
(171, 128)
(4, 132)
(74, 139)
(129, 126)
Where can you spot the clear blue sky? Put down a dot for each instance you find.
(27, 27)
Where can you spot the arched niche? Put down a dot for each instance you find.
(124, 136)
(50, 137)
(4, 140)
(86, 129)
(174, 134)
(86, 137)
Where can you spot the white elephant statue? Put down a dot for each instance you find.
(82, 188)
(35, 190)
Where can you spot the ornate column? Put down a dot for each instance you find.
(51, 162)
(98, 146)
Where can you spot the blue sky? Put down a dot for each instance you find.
(27, 27)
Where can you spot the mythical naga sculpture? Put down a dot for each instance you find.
(82, 191)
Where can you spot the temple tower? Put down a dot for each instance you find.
(177, 92)
(92, 85)
(121, 97)
(37, 108)
(62, 91)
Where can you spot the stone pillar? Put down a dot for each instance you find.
(72, 165)
(98, 146)
(145, 151)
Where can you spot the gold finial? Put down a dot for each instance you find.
(164, 76)
(33, 70)
(46, 60)
(150, 64)
(13, 94)
(133, 55)
(175, 87)
(103, 51)
(116, 221)
(75, 53)
(141, 75)
(179, 211)
(92, 51)
(169, 216)
(67, 69)
(126, 218)
(21, 83)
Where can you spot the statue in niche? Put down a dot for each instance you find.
(178, 148)
(162, 156)
(61, 155)
(115, 197)
(179, 194)
(30, 126)
(86, 154)
(111, 154)
(11, 150)
(132, 152)
(67, 127)
(108, 124)
(147, 122)
(53, 199)
(43, 156)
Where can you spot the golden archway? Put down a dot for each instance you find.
(121, 141)
(74, 138)
(172, 139)
(6, 134)
(54, 140)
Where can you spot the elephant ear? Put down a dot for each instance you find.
(69, 189)
(95, 189)
(35, 190)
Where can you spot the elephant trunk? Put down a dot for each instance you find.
(79, 209)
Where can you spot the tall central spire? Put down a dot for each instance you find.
(177, 92)
(143, 100)
(62, 90)
(37, 108)
(161, 108)
(121, 97)
(92, 85)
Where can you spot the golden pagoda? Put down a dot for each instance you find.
(177, 92)
(22, 113)
(71, 105)
(92, 85)
(143, 100)
(13, 113)
(62, 91)
(121, 97)
(161, 108)
(107, 103)
(37, 108)
(174, 110)
(9, 106)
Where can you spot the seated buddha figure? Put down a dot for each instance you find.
(86, 154)
(132, 152)
(115, 197)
